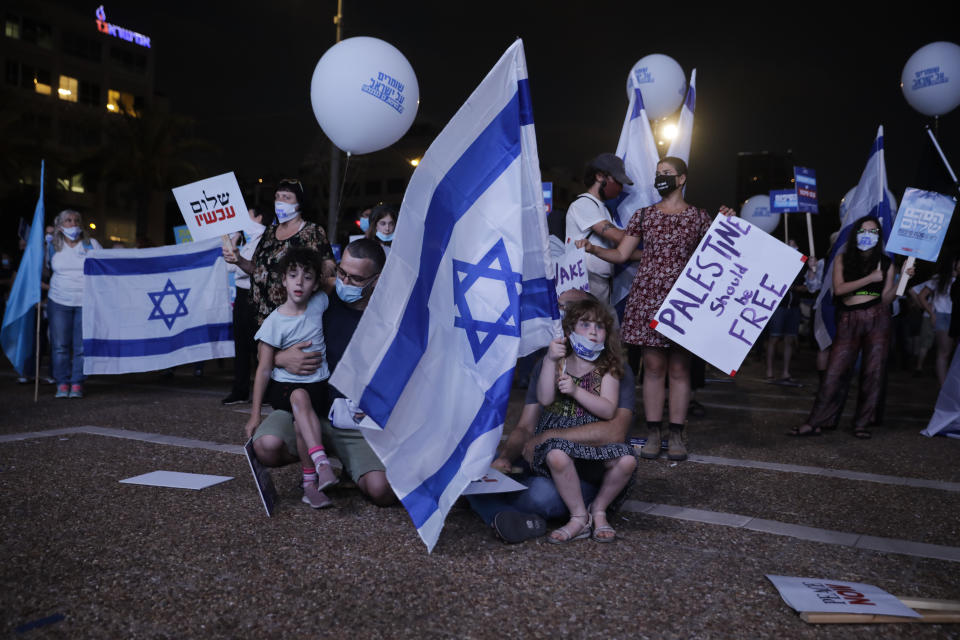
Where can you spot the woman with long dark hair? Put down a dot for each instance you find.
(863, 287)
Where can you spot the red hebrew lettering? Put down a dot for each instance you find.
(199, 220)
(223, 214)
(230, 212)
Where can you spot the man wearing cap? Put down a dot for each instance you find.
(588, 218)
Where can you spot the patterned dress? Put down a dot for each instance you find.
(668, 242)
(266, 283)
(565, 412)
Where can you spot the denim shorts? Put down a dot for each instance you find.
(785, 321)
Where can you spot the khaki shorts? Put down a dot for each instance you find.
(346, 444)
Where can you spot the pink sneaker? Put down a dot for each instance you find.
(315, 498)
(63, 391)
(76, 391)
(325, 476)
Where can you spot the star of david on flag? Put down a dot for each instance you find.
(467, 288)
(158, 296)
(508, 323)
(135, 313)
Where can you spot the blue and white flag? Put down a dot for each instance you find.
(638, 150)
(20, 316)
(467, 288)
(680, 145)
(870, 198)
(150, 309)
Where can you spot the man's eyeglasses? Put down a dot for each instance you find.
(357, 281)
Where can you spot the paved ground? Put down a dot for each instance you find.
(87, 557)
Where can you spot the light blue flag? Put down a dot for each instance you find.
(467, 288)
(19, 317)
(680, 145)
(151, 309)
(872, 198)
(638, 150)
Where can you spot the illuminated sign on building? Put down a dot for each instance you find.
(119, 32)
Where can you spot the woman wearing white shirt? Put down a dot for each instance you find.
(65, 302)
(933, 296)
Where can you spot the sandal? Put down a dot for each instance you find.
(605, 528)
(569, 537)
(796, 432)
(862, 434)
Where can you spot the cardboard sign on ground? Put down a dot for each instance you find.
(177, 480)
(838, 596)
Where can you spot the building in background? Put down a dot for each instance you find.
(69, 78)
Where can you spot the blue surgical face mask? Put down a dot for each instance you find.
(384, 237)
(48, 237)
(348, 292)
(364, 223)
(71, 232)
(285, 211)
(585, 347)
(6, 263)
(867, 240)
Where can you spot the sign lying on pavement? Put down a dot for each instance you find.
(838, 596)
(177, 480)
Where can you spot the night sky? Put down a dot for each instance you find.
(766, 80)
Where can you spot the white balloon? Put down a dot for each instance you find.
(364, 94)
(661, 82)
(756, 211)
(931, 78)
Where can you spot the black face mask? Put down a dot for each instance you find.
(665, 184)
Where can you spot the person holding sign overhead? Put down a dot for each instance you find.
(291, 230)
(863, 282)
(670, 231)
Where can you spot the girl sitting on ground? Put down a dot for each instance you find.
(588, 380)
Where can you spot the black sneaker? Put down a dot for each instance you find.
(234, 398)
(514, 526)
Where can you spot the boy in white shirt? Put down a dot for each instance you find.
(298, 319)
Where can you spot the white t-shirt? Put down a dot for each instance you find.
(281, 331)
(583, 213)
(941, 302)
(66, 283)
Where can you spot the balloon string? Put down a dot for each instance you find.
(343, 183)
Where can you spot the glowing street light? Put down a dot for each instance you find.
(414, 162)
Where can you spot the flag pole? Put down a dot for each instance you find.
(953, 176)
(36, 359)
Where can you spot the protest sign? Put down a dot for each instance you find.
(838, 596)
(493, 481)
(921, 224)
(805, 182)
(212, 207)
(177, 480)
(727, 292)
(261, 477)
(783, 201)
(570, 270)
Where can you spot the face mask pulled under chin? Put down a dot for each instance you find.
(71, 232)
(285, 211)
(585, 347)
(385, 237)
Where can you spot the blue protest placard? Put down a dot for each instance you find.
(547, 195)
(805, 182)
(783, 201)
(921, 224)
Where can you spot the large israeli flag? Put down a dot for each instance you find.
(680, 145)
(870, 198)
(466, 289)
(638, 150)
(150, 309)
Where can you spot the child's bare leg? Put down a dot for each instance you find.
(307, 425)
(567, 482)
(615, 479)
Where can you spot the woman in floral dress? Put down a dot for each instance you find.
(670, 232)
